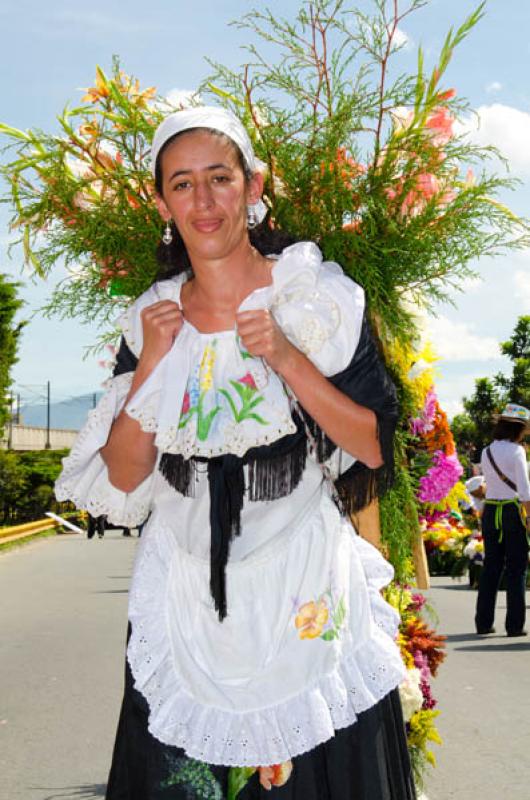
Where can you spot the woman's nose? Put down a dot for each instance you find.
(203, 195)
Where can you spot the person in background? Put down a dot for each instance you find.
(505, 522)
(96, 525)
(476, 488)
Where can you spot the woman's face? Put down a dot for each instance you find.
(205, 192)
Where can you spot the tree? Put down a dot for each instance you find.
(26, 484)
(518, 346)
(13, 486)
(516, 387)
(9, 337)
(480, 407)
(465, 435)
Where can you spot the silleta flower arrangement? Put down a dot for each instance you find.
(423, 652)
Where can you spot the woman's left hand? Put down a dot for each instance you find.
(262, 337)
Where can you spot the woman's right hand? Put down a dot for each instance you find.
(161, 324)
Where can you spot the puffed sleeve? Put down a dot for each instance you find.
(84, 479)
(318, 307)
(322, 312)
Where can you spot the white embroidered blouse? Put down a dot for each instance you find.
(308, 641)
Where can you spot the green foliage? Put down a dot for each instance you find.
(480, 407)
(238, 777)
(84, 197)
(399, 516)
(13, 487)
(518, 345)
(195, 777)
(363, 163)
(374, 185)
(516, 387)
(9, 338)
(26, 484)
(472, 430)
(464, 433)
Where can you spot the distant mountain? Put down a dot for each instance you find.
(66, 415)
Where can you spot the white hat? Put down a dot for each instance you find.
(219, 119)
(515, 413)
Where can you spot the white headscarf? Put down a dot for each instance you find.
(218, 119)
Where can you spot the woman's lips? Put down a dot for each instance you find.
(207, 225)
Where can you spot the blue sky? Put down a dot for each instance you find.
(49, 50)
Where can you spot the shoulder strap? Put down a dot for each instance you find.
(501, 474)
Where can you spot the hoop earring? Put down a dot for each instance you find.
(252, 218)
(167, 238)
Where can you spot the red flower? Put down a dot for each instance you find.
(248, 380)
(185, 403)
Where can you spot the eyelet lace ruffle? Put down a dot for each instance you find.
(209, 396)
(84, 478)
(271, 734)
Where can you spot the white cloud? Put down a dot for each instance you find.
(470, 284)
(452, 407)
(456, 341)
(402, 39)
(505, 127)
(494, 86)
(521, 280)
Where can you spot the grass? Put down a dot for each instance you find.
(7, 546)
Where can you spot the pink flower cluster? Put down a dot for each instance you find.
(425, 422)
(440, 478)
(426, 185)
(421, 662)
(418, 601)
(432, 517)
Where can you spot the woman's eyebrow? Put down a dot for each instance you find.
(209, 168)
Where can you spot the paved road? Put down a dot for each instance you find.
(484, 694)
(63, 622)
(62, 631)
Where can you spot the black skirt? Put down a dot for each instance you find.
(367, 761)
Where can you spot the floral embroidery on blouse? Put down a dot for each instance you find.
(247, 394)
(199, 386)
(322, 619)
(200, 393)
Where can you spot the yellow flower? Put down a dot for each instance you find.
(100, 90)
(90, 130)
(407, 657)
(311, 619)
(206, 369)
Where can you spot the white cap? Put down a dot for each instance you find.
(219, 119)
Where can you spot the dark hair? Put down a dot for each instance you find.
(174, 259)
(508, 429)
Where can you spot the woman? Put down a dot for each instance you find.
(504, 523)
(258, 636)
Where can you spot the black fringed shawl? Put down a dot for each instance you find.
(275, 470)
